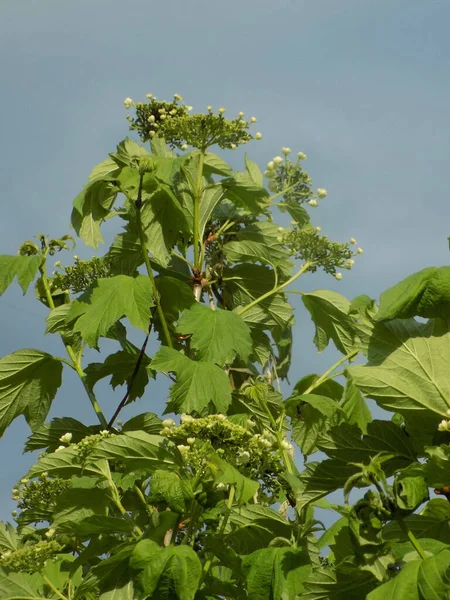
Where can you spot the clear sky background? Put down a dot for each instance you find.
(361, 86)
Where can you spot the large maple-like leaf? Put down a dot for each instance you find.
(217, 335)
(107, 301)
(22, 267)
(198, 383)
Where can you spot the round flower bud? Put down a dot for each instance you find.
(58, 263)
(59, 448)
(186, 418)
(280, 239)
(128, 102)
(313, 202)
(322, 192)
(352, 241)
(149, 96)
(152, 134)
(294, 223)
(24, 480)
(14, 513)
(285, 445)
(360, 251)
(151, 119)
(221, 110)
(220, 417)
(50, 533)
(350, 262)
(177, 97)
(233, 146)
(338, 276)
(301, 156)
(270, 165)
(75, 257)
(269, 174)
(191, 440)
(168, 423)
(250, 423)
(163, 117)
(189, 108)
(258, 135)
(448, 412)
(280, 229)
(209, 107)
(184, 147)
(66, 438)
(252, 119)
(240, 114)
(443, 425)
(278, 160)
(286, 151)
(182, 448)
(221, 487)
(318, 228)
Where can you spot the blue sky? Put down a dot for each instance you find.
(361, 86)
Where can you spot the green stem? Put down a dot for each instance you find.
(53, 588)
(124, 513)
(148, 266)
(275, 290)
(227, 514)
(277, 431)
(70, 351)
(412, 538)
(327, 373)
(197, 196)
(280, 193)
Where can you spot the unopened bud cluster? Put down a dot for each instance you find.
(288, 179)
(83, 273)
(31, 558)
(38, 495)
(172, 121)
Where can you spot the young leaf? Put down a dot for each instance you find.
(254, 171)
(8, 537)
(171, 489)
(90, 208)
(228, 475)
(107, 301)
(198, 383)
(24, 268)
(408, 367)
(329, 312)
(217, 335)
(147, 422)
(254, 526)
(354, 406)
(29, 380)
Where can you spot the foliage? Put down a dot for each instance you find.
(210, 502)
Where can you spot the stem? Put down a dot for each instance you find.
(280, 193)
(325, 375)
(197, 196)
(70, 351)
(159, 309)
(287, 459)
(227, 514)
(275, 290)
(412, 538)
(124, 513)
(52, 587)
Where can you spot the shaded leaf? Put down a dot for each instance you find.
(24, 268)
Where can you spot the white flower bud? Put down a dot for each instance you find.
(269, 174)
(285, 445)
(443, 425)
(75, 257)
(189, 108)
(60, 448)
(243, 457)
(152, 134)
(270, 165)
(184, 147)
(448, 412)
(24, 480)
(168, 423)
(149, 96)
(66, 438)
(50, 533)
(318, 228)
(233, 146)
(151, 119)
(183, 449)
(313, 202)
(104, 432)
(258, 135)
(128, 102)
(240, 114)
(278, 160)
(58, 263)
(250, 423)
(163, 117)
(177, 97)
(220, 417)
(338, 276)
(352, 241)
(280, 229)
(221, 110)
(301, 156)
(360, 251)
(280, 239)
(286, 151)
(186, 418)
(322, 192)
(191, 440)
(221, 487)
(209, 107)
(294, 223)
(252, 119)
(44, 474)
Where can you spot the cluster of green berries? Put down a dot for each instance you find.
(41, 493)
(254, 454)
(172, 121)
(308, 245)
(83, 273)
(31, 558)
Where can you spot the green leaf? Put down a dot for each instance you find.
(169, 488)
(276, 573)
(254, 171)
(329, 312)
(24, 268)
(66, 463)
(217, 335)
(121, 366)
(174, 572)
(139, 450)
(437, 467)
(341, 584)
(424, 294)
(76, 505)
(19, 586)
(354, 406)
(410, 488)
(103, 170)
(90, 209)
(198, 383)
(124, 592)
(297, 212)
(403, 585)
(408, 367)
(107, 301)
(214, 165)
(60, 571)
(228, 475)
(48, 435)
(129, 153)
(29, 380)
(8, 537)
(433, 576)
(242, 191)
(316, 412)
(125, 253)
(433, 522)
(147, 422)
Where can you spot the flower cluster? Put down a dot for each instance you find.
(172, 121)
(289, 179)
(41, 493)
(310, 246)
(88, 443)
(255, 454)
(30, 558)
(83, 273)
